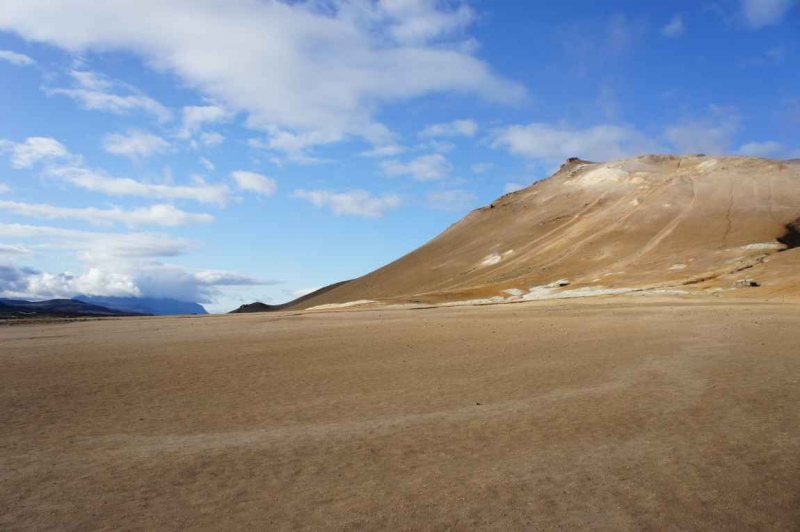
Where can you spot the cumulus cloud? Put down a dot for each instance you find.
(144, 280)
(96, 245)
(762, 149)
(160, 215)
(761, 13)
(211, 138)
(295, 146)
(267, 58)
(98, 93)
(423, 168)
(197, 117)
(419, 21)
(135, 144)
(709, 134)
(457, 128)
(253, 182)
(71, 169)
(16, 250)
(207, 164)
(15, 58)
(33, 150)
(100, 181)
(4, 188)
(674, 28)
(351, 203)
(555, 142)
(452, 200)
(389, 150)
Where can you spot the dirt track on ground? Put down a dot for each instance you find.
(623, 414)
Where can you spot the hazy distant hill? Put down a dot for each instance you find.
(58, 307)
(146, 305)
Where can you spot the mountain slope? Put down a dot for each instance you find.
(263, 307)
(694, 223)
(146, 305)
(57, 307)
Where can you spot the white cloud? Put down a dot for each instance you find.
(556, 142)
(254, 182)
(513, 187)
(99, 181)
(16, 250)
(196, 117)
(457, 128)
(423, 168)
(4, 188)
(389, 150)
(762, 13)
(97, 93)
(351, 203)
(674, 28)
(762, 149)
(712, 134)
(296, 145)
(15, 58)
(36, 149)
(161, 215)
(268, 58)
(96, 244)
(212, 138)
(208, 165)
(452, 200)
(27, 283)
(33, 150)
(419, 21)
(125, 280)
(135, 144)
(481, 168)
(440, 146)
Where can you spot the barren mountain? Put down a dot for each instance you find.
(652, 224)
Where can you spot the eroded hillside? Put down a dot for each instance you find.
(679, 224)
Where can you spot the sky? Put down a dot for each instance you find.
(227, 151)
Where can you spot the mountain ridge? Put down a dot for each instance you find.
(685, 223)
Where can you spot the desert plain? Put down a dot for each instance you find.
(611, 413)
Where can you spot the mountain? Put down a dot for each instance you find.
(263, 307)
(57, 307)
(651, 224)
(146, 305)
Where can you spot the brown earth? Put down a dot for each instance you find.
(693, 223)
(628, 413)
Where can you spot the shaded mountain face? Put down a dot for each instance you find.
(263, 307)
(146, 305)
(57, 307)
(255, 307)
(692, 223)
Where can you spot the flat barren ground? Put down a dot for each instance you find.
(625, 414)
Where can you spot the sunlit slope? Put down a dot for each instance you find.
(694, 222)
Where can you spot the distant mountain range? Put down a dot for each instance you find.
(146, 305)
(99, 306)
(57, 307)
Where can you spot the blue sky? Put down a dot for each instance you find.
(225, 151)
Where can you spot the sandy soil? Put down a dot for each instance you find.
(601, 414)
